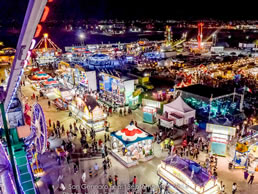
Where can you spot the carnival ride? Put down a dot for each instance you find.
(6, 173)
(198, 46)
(36, 142)
(23, 179)
(170, 44)
(46, 50)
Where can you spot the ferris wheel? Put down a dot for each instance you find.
(38, 135)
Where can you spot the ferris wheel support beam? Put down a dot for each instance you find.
(33, 14)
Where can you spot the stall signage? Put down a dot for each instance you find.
(180, 175)
(220, 129)
(167, 124)
(151, 103)
(137, 92)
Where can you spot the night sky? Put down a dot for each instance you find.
(135, 9)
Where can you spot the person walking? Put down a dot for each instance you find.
(234, 188)
(51, 189)
(96, 168)
(109, 162)
(222, 189)
(75, 168)
(110, 181)
(84, 176)
(49, 122)
(68, 158)
(246, 174)
(134, 181)
(116, 180)
(251, 179)
(48, 102)
(105, 167)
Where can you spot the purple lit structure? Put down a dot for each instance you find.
(6, 174)
(186, 176)
(38, 135)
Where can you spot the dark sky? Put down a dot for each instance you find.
(133, 9)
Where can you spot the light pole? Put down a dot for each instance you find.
(214, 39)
(82, 37)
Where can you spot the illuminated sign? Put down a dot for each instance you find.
(220, 129)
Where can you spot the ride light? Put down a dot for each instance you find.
(45, 14)
(33, 42)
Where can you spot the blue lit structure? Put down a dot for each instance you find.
(213, 104)
(99, 60)
(154, 55)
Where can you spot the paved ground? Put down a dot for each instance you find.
(145, 172)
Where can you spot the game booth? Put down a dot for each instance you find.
(178, 112)
(220, 136)
(132, 145)
(149, 114)
(247, 150)
(150, 108)
(117, 89)
(181, 175)
(89, 111)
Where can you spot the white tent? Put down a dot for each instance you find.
(179, 111)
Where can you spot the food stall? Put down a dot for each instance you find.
(182, 175)
(131, 145)
(149, 114)
(89, 111)
(220, 135)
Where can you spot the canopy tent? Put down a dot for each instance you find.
(179, 111)
(41, 75)
(131, 134)
(181, 84)
(50, 82)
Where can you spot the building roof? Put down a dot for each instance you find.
(91, 103)
(204, 91)
(179, 105)
(201, 175)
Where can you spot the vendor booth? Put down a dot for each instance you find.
(150, 110)
(149, 114)
(220, 135)
(131, 145)
(88, 110)
(178, 112)
(181, 175)
(51, 93)
(241, 155)
(247, 152)
(117, 89)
